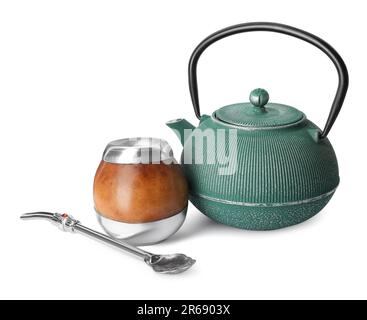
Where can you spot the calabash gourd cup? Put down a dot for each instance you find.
(140, 192)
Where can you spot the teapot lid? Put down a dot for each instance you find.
(258, 113)
(138, 151)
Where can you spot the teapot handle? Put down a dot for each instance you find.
(279, 28)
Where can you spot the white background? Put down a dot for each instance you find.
(76, 74)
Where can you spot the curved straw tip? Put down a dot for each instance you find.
(36, 215)
(25, 215)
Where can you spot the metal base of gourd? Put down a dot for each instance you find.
(142, 234)
(259, 217)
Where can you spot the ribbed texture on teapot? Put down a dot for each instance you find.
(272, 167)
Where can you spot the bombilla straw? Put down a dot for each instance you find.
(170, 264)
(68, 223)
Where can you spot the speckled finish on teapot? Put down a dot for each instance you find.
(286, 168)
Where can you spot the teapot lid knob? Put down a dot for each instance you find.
(259, 98)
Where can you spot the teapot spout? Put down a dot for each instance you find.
(182, 128)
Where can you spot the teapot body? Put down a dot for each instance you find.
(277, 169)
(274, 178)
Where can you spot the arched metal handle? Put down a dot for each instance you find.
(279, 28)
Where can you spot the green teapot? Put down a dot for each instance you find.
(259, 165)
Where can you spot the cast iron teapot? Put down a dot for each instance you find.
(281, 168)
